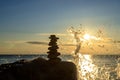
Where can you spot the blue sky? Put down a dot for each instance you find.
(21, 19)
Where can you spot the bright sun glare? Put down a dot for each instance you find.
(86, 36)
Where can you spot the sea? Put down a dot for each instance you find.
(10, 58)
(107, 66)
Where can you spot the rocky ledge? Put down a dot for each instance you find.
(38, 69)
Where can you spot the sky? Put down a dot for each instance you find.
(25, 20)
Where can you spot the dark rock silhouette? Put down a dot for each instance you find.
(39, 68)
(52, 53)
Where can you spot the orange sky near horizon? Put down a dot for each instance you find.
(22, 47)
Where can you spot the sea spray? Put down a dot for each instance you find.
(87, 70)
(118, 68)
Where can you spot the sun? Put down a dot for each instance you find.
(86, 37)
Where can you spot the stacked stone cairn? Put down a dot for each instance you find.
(52, 53)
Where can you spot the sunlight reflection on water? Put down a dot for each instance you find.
(88, 69)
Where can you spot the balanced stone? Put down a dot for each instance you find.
(52, 53)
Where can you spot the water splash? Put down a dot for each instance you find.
(118, 68)
(87, 70)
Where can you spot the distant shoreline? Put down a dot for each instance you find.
(18, 54)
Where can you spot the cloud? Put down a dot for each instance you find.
(67, 44)
(46, 43)
(116, 41)
(35, 42)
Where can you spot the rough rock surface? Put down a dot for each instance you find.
(38, 69)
